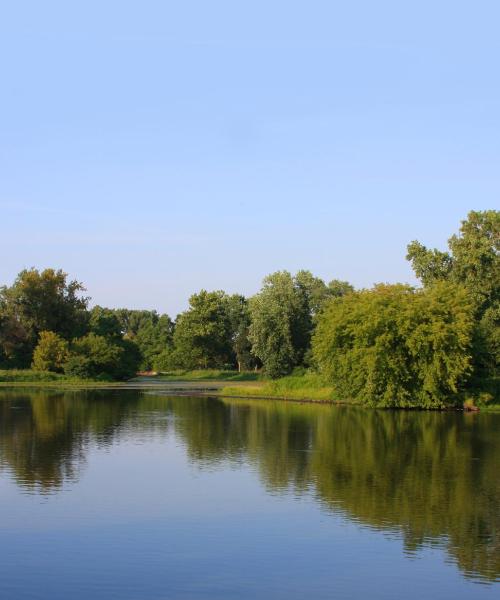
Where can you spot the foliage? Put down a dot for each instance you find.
(394, 346)
(152, 333)
(239, 319)
(429, 265)
(40, 301)
(104, 322)
(281, 322)
(203, 336)
(95, 356)
(338, 288)
(153, 337)
(51, 352)
(14, 350)
(473, 260)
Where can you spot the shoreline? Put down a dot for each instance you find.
(214, 388)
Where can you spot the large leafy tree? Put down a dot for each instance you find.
(394, 346)
(153, 337)
(40, 301)
(203, 334)
(281, 323)
(473, 260)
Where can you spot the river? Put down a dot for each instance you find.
(135, 494)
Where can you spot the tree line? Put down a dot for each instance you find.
(392, 345)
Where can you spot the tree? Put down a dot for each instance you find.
(153, 337)
(104, 322)
(14, 349)
(202, 336)
(281, 323)
(338, 288)
(239, 318)
(51, 352)
(43, 301)
(473, 260)
(151, 332)
(394, 346)
(316, 291)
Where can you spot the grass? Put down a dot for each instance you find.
(28, 377)
(307, 386)
(209, 375)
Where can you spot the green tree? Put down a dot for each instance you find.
(281, 323)
(105, 322)
(473, 259)
(203, 336)
(317, 293)
(151, 332)
(338, 288)
(153, 337)
(51, 352)
(42, 301)
(239, 318)
(394, 346)
(14, 348)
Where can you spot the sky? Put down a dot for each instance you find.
(151, 149)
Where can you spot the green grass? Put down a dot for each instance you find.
(23, 377)
(308, 386)
(209, 375)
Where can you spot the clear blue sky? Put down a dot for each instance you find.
(154, 148)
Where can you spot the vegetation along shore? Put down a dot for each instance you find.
(392, 346)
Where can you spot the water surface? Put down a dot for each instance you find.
(135, 495)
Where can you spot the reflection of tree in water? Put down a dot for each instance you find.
(432, 477)
(44, 435)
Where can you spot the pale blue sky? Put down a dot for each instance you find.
(154, 148)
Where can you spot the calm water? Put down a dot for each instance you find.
(131, 495)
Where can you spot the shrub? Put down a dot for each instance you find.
(51, 352)
(95, 356)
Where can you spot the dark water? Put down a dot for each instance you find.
(130, 495)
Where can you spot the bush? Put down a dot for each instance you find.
(95, 356)
(78, 365)
(50, 353)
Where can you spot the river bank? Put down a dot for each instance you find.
(305, 387)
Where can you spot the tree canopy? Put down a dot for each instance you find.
(394, 346)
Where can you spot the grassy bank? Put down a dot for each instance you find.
(208, 375)
(311, 387)
(28, 377)
(308, 386)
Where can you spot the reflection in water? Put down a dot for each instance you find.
(432, 478)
